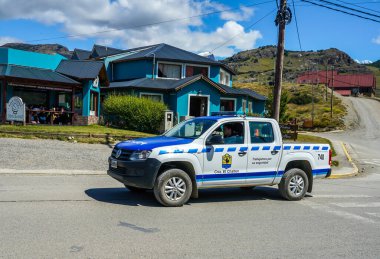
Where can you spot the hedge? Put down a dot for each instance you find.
(133, 113)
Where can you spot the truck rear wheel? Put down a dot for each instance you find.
(173, 188)
(294, 184)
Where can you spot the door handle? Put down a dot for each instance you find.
(274, 152)
(242, 153)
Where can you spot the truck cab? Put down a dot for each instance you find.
(218, 151)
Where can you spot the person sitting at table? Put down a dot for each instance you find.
(34, 118)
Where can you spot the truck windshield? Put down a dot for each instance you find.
(191, 128)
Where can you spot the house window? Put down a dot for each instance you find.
(250, 107)
(152, 96)
(78, 101)
(227, 105)
(244, 105)
(194, 70)
(224, 77)
(169, 71)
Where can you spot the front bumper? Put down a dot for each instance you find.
(140, 174)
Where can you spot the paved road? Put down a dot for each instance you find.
(95, 217)
(364, 140)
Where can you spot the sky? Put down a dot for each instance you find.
(230, 26)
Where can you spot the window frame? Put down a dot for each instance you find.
(228, 99)
(244, 105)
(196, 65)
(221, 79)
(173, 64)
(154, 94)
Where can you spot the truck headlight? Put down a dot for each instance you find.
(140, 155)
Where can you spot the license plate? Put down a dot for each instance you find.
(114, 163)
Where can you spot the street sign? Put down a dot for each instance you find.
(16, 109)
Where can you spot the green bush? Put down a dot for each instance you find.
(133, 113)
(302, 99)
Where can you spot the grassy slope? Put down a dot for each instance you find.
(376, 72)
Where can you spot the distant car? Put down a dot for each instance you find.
(197, 154)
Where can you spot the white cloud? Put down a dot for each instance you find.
(91, 16)
(376, 40)
(5, 40)
(244, 14)
(364, 62)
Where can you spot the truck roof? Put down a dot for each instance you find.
(234, 117)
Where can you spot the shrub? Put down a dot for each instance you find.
(133, 113)
(302, 99)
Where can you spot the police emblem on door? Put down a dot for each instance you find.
(226, 161)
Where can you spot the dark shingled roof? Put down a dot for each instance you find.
(103, 51)
(80, 69)
(243, 92)
(157, 84)
(174, 85)
(81, 54)
(170, 53)
(35, 74)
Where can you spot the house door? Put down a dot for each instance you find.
(198, 106)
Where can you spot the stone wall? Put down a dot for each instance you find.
(85, 120)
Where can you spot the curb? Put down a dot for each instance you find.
(355, 170)
(50, 172)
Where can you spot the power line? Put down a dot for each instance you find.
(295, 18)
(250, 26)
(358, 6)
(334, 9)
(349, 8)
(148, 24)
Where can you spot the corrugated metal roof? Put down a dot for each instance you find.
(81, 54)
(243, 92)
(346, 80)
(36, 74)
(167, 52)
(3, 69)
(80, 69)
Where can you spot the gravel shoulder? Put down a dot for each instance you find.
(25, 154)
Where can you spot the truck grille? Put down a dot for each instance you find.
(124, 156)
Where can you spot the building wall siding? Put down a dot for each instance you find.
(183, 97)
(131, 70)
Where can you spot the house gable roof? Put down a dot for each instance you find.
(170, 53)
(80, 69)
(81, 54)
(38, 74)
(99, 51)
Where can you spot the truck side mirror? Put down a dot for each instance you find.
(214, 140)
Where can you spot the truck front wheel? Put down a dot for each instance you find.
(173, 188)
(294, 184)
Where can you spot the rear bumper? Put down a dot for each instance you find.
(140, 174)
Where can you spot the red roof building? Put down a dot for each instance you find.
(345, 84)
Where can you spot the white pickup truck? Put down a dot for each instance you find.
(218, 151)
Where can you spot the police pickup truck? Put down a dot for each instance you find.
(218, 151)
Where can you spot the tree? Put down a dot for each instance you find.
(283, 106)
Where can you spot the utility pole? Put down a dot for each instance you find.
(326, 83)
(332, 91)
(283, 17)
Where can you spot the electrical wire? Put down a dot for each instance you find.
(334, 9)
(250, 26)
(295, 18)
(358, 6)
(146, 25)
(349, 8)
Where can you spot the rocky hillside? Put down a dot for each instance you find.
(257, 65)
(41, 48)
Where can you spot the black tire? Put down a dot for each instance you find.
(178, 181)
(247, 188)
(290, 185)
(134, 189)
